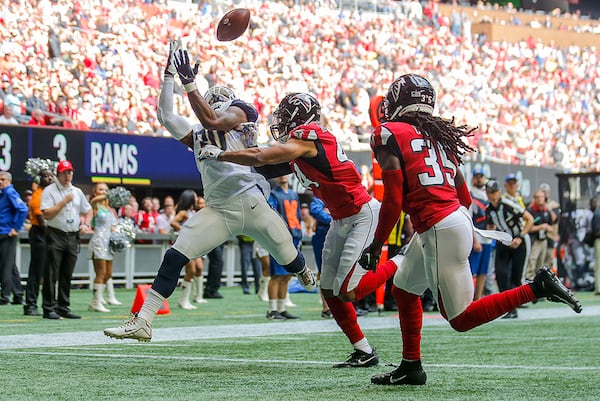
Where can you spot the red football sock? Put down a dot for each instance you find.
(491, 307)
(373, 280)
(345, 316)
(410, 313)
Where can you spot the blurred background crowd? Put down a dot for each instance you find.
(98, 65)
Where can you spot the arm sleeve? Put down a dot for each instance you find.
(317, 210)
(391, 206)
(177, 126)
(464, 195)
(274, 170)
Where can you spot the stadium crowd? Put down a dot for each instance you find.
(89, 65)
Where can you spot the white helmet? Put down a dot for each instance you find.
(217, 95)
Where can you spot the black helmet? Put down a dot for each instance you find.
(410, 92)
(294, 110)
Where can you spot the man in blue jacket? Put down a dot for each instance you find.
(12, 216)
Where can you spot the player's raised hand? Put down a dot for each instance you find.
(170, 69)
(210, 152)
(187, 74)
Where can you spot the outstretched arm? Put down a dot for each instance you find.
(177, 126)
(222, 120)
(286, 152)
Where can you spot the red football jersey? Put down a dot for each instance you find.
(331, 175)
(429, 192)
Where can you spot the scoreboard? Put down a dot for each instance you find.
(101, 156)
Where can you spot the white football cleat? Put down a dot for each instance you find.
(135, 328)
(307, 279)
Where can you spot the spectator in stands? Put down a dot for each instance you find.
(163, 221)
(551, 138)
(145, 219)
(35, 101)
(59, 111)
(7, 117)
(5, 88)
(16, 100)
(37, 117)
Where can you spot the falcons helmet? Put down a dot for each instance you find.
(217, 95)
(410, 92)
(294, 110)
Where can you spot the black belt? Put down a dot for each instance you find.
(68, 233)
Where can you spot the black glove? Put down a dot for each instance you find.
(369, 259)
(186, 73)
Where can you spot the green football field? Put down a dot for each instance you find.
(227, 350)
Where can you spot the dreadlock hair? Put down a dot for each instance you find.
(441, 131)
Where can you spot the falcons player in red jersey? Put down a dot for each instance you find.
(320, 163)
(419, 155)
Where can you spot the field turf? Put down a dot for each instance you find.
(227, 350)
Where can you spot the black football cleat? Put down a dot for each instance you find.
(408, 373)
(359, 359)
(546, 285)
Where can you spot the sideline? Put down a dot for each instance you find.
(83, 338)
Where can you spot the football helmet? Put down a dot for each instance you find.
(294, 110)
(410, 92)
(217, 95)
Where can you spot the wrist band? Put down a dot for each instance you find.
(190, 87)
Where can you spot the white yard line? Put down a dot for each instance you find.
(44, 340)
(271, 362)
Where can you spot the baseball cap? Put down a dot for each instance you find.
(304, 205)
(511, 176)
(478, 171)
(64, 166)
(492, 186)
(27, 192)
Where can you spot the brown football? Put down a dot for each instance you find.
(233, 24)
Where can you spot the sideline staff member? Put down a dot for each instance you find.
(67, 212)
(12, 216)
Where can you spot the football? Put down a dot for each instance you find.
(233, 24)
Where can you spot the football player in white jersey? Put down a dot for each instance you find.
(236, 196)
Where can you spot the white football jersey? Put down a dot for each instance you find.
(223, 180)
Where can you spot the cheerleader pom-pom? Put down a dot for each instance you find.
(35, 165)
(123, 235)
(118, 242)
(118, 197)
